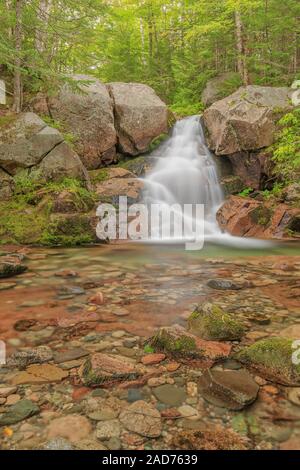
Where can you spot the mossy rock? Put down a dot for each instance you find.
(70, 230)
(173, 340)
(139, 165)
(177, 341)
(261, 215)
(210, 322)
(98, 176)
(27, 218)
(10, 270)
(232, 185)
(274, 358)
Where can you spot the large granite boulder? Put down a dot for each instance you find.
(25, 141)
(28, 143)
(140, 116)
(245, 120)
(87, 113)
(61, 162)
(219, 87)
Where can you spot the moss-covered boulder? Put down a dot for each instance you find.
(210, 322)
(175, 340)
(10, 269)
(49, 214)
(274, 358)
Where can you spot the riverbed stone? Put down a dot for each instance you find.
(11, 269)
(273, 359)
(23, 409)
(210, 322)
(69, 355)
(108, 429)
(228, 389)
(152, 359)
(72, 427)
(142, 418)
(23, 358)
(102, 368)
(6, 390)
(170, 395)
(223, 284)
(39, 374)
(178, 341)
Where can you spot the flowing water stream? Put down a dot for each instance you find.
(186, 173)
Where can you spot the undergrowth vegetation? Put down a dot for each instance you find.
(29, 217)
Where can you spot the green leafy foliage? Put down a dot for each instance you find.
(286, 150)
(246, 192)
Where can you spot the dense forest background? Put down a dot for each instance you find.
(173, 45)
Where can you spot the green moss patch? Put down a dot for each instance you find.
(274, 358)
(261, 215)
(210, 322)
(29, 217)
(98, 176)
(170, 341)
(7, 119)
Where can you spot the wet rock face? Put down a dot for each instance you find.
(273, 358)
(140, 116)
(252, 218)
(212, 323)
(89, 116)
(252, 168)
(27, 143)
(245, 120)
(231, 389)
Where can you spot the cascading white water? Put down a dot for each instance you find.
(185, 173)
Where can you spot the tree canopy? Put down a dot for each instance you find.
(173, 45)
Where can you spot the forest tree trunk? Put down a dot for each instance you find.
(241, 49)
(41, 31)
(17, 99)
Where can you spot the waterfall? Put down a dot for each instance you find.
(185, 173)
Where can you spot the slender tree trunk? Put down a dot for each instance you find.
(17, 101)
(41, 31)
(241, 49)
(8, 6)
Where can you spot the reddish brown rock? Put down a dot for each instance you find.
(100, 369)
(248, 217)
(152, 359)
(97, 299)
